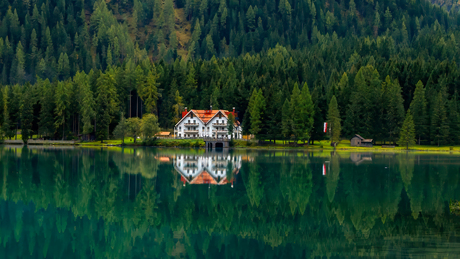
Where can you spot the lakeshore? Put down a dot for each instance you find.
(324, 145)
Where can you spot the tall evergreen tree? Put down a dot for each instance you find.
(62, 106)
(286, 119)
(6, 123)
(333, 120)
(407, 133)
(106, 104)
(419, 112)
(257, 113)
(27, 113)
(439, 125)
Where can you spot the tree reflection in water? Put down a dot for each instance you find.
(132, 203)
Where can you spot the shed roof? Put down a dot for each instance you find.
(362, 139)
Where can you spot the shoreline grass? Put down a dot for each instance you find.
(323, 145)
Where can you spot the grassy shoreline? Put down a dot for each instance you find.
(252, 145)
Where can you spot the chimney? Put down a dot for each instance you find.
(233, 110)
(210, 108)
(184, 112)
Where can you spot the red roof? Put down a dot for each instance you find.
(207, 115)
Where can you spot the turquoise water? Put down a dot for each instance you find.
(164, 203)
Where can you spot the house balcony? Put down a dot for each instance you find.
(191, 131)
(219, 124)
(221, 131)
(191, 124)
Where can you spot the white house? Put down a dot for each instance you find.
(207, 169)
(206, 123)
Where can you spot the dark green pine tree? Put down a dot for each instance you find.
(6, 123)
(419, 112)
(46, 118)
(407, 133)
(308, 112)
(439, 125)
(286, 120)
(257, 113)
(454, 120)
(333, 120)
(106, 104)
(27, 113)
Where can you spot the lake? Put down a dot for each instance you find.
(161, 203)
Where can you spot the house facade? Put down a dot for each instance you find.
(206, 123)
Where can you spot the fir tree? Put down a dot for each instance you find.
(439, 124)
(6, 123)
(407, 133)
(27, 113)
(333, 120)
(149, 93)
(286, 119)
(257, 113)
(419, 112)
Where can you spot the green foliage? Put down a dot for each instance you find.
(121, 130)
(257, 112)
(418, 107)
(407, 133)
(333, 120)
(149, 126)
(134, 126)
(439, 124)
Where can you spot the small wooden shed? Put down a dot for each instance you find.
(358, 141)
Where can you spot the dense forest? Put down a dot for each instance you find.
(74, 67)
(89, 203)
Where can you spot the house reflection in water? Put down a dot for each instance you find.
(210, 168)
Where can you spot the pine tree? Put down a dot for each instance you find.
(298, 114)
(394, 110)
(27, 113)
(333, 120)
(439, 124)
(177, 107)
(46, 120)
(419, 112)
(121, 130)
(308, 112)
(87, 103)
(62, 105)
(454, 120)
(257, 113)
(20, 57)
(106, 104)
(407, 133)
(6, 124)
(149, 93)
(286, 119)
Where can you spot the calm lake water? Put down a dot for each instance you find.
(163, 203)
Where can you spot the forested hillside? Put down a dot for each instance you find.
(70, 65)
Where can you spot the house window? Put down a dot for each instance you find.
(191, 114)
(202, 128)
(179, 135)
(180, 128)
(220, 115)
(194, 121)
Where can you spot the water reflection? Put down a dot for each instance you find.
(210, 168)
(133, 203)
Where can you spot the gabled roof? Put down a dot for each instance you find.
(363, 139)
(204, 115)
